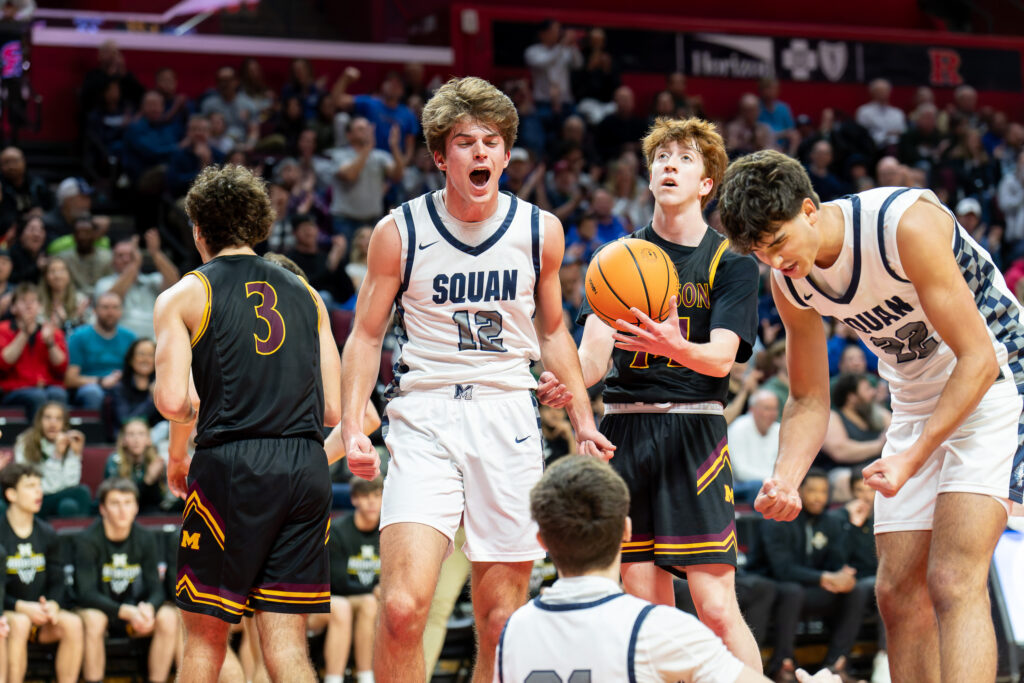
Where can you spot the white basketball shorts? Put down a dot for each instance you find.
(466, 454)
(976, 458)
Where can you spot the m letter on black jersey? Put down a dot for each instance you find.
(189, 540)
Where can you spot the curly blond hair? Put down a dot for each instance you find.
(468, 98)
(702, 134)
(231, 207)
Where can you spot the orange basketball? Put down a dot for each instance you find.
(631, 273)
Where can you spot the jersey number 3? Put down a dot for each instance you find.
(266, 312)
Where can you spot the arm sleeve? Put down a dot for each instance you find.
(734, 300)
(673, 645)
(71, 470)
(785, 560)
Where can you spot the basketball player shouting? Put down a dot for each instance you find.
(894, 264)
(665, 392)
(466, 268)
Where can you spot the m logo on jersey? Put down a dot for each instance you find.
(478, 286)
(464, 391)
(189, 540)
(26, 563)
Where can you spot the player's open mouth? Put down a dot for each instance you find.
(668, 182)
(480, 177)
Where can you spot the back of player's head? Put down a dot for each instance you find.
(702, 135)
(231, 207)
(119, 484)
(760, 192)
(286, 263)
(580, 506)
(361, 487)
(468, 98)
(14, 473)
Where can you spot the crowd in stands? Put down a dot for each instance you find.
(83, 260)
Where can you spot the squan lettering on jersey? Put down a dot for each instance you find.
(475, 286)
(878, 317)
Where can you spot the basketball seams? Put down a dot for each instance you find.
(608, 284)
(643, 281)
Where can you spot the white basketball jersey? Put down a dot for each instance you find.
(464, 312)
(868, 289)
(588, 642)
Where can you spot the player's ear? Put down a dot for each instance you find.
(540, 540)
(440, 162)
(627, 530)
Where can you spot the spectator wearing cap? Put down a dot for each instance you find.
(33, 356)
(91, 259)
(138, 290)
(22, 190)
(74, 197)
(884, 122)
(970, 215)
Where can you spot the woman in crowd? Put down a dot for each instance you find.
(63, 305)
(132, 397)
(28, 252)
(136, 458)
(56, 451)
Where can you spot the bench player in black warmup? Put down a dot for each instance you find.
(266, 373)
(665, 392)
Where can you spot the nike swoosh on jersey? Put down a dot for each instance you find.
(523, 439)
(424, 246)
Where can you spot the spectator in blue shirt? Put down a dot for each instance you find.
(776, 113)
(197, 154)
(96, 353)
(149, 141)
(582, 239)
(609, 226)
(383, 111)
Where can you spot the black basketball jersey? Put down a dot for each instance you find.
(717, 288)
(256, 356)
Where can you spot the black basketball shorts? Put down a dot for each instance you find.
(677, 468)
(255, 528)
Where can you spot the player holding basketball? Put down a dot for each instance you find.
(665, 392)
(894, 264)
(467, 268)
(257, 341)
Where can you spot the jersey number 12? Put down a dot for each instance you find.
(486, 336)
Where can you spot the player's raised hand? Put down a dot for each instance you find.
(551, 392)
(888, 475)
(595, 444)
(658, 339)
(778, 500)
(363, 459)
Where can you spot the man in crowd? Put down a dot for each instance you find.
(34, 581)
(118, 586)
(754, 445)
(96, 353)
(355, 571)
(138, 290)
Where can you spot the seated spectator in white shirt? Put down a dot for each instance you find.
(754, 445)
(885, 122)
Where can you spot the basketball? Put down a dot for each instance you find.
(631, 273)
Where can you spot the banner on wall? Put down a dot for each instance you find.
(718, 55)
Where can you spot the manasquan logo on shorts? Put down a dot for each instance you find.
(464, 391)
(366, 565)
(26, 563)
(190, 540)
